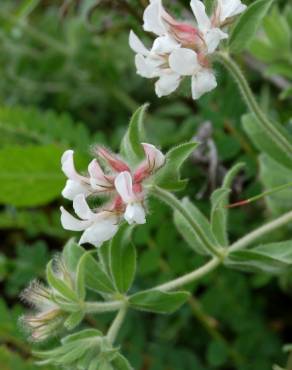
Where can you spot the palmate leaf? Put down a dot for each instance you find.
(247, 25)
(273, 258)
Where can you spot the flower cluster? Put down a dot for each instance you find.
(182, 49)
(123, 186)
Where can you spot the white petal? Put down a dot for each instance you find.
(68, 166)
(183, 61)
(230, 8)
(202, 18)
(99, 232)
(213, 38)
(137, 45)
(164, 45)
(204, 81)
(124, 186)
(152, 18)
(155, 157)
(81, 208)
(73, 188)
(97, 179)
(167, 83)
(71, 223)
(148, 67)
(135, 213)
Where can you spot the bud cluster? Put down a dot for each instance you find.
(121, 184)
(182, 49)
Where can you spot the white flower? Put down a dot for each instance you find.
(78, 184)
(97, 227)
(135, 212)
(211, 35)
(155, 158)
(185, 62)
(228, 9)
(154, 63)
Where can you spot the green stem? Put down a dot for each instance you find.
(176, 205)
(251, 102)
(216, 261)
(116, 324)
(263, 230)
(98, 307)
(190, 277)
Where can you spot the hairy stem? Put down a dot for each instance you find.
(176, 205)
(98, 307)
(265, 229)
(251, 102)
(216, 261)
(116, 324)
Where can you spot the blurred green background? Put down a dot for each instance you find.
(68, 81)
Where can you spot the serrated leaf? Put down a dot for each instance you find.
(30, 176)
(247, 25)
(95, 277)
(59, 285)
(219, 199)
(158, 301)
(264, 142)
(190, 236)
(131, 147)
(123, 259)
(168, 177)
(273, 258)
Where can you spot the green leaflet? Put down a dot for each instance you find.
(264, 141)
(158, 301)
(123, 259)
(247, 25)
(219, 199)
(131, 147)
(168, 177)
(273, 258)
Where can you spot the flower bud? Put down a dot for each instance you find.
(115, 163)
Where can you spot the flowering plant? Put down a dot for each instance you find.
(111, 199)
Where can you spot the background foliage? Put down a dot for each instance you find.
(68, 81)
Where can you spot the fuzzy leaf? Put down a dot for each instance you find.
(219, 199)
(131, 146)
(274, 258)
(73, 320)
(247, 25)
(72, 253)
(168, 177)
(264, 142)
(188, 233)
(121, 363)
(59, 285)
(123, 259)
(95, 277)
(158, 301)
